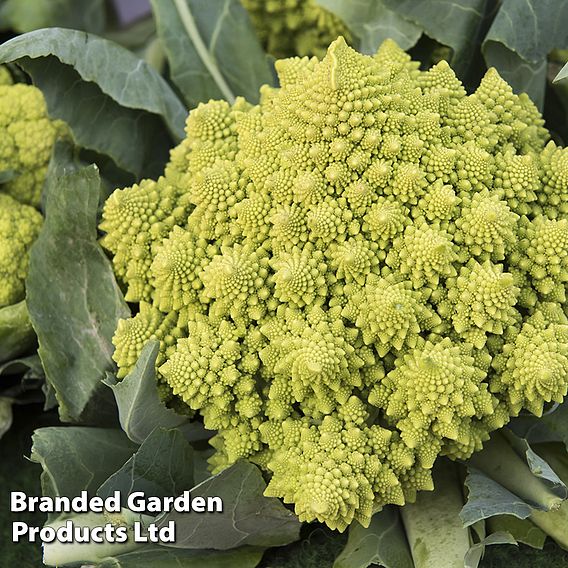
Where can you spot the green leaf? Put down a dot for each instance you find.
(140, 409)
(487, 498)
(372, 21)
(522, 530)
(29, 366)
(161, 467)
(73, 298)
(538, 466)
(551, 427)
(77, 458)
(160, 557)
(382, 542)
(521, 36)
(212, 49)
(562, 75)
(27, 15)
(475, 553)
(114, 103)
(5, 415)
(248, 518)
(16, 332)
(454, 23)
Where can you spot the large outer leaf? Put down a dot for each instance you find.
(373, 22)
(16, 333)
(452, 22)
(76, 459)
(552, 427)
(113, 101)
(161, 467)
(475, 553)
(160, 557)
(247, 518)
(521, 36)
(383, 542)
(522, 530)
(140, 409)
(487, 498)
(212, 49)
(73, 298)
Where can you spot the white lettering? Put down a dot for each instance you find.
(135, 502)
(214, 504)
(18, 529)
(18, 502)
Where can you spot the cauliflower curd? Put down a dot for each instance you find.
(27, 136)
(360, 274)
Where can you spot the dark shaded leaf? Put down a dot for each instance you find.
(212, 49)
(140, 409)
(247, 518)
(454, 23)
(161, 467)
(30, 367)
(521, 36)
(372, 21)
(73, 298)
(475, 553)
(383, 542)
(552, 427)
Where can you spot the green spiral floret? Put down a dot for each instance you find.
(486, 227)
(532, 370)
(132, 334)
(483, 299)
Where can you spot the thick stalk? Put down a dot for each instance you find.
(500, 462)
(554, 523)
(433, 526)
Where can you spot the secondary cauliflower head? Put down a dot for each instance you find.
(19, 228)
(294, 27)
(367, 270)
(27, 136)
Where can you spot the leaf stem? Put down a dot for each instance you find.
(206, 57)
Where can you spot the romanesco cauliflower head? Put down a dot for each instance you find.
(27, 136)
(19, 227)
(363, 272)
